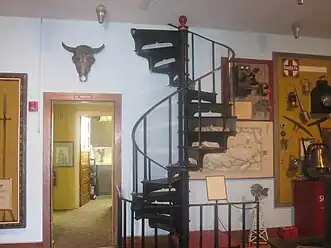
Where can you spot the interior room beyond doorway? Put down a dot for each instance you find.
(83, 159)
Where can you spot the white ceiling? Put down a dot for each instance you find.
(264, 16)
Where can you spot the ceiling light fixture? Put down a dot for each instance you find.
(296, 30)
(101, 11)
(300, 2)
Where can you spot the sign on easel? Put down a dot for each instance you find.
(216, 188)
(6, 194)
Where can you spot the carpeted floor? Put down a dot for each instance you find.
(87, 227)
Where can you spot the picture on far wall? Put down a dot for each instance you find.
(253, 84)
(249, 154)
(63, 154)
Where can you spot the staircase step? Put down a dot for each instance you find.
(193, 108)
(160, 219)
(143, 37)
(214, 121)
(220, 137)
(176, 169)
(159, 196)
(169, 69)
(204, 96)
(156, 208)
(162, 183)
(152, 215)
(167, 228)
(159, 54)
(198, 154)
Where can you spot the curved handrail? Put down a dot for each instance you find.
(120, 196)
(207, 39)
(139, 121)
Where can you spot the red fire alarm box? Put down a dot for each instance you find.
(33, 106)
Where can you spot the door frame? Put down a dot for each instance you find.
(48, 98)
(90, 113)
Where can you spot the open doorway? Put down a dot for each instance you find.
(84, 169)
(83, 140)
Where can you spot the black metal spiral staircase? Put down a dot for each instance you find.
(165, 202)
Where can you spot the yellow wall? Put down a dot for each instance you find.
(64, 130)
(284, 85)
(66, 117)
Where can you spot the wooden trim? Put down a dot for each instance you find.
(299, 56)
(275, 56)
(49, 97)
(24, 245)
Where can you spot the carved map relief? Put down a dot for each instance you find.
(249, 154)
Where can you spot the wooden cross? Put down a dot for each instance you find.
(4, 140)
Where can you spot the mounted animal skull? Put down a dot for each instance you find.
(83, 58)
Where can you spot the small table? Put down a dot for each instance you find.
(293, 243)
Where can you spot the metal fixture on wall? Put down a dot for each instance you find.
(300, 2)
(296, 30)
(101, 11)
(83, 58)
(144, 4)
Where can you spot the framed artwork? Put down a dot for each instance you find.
(294, 77)
(253, 88)
(63, 154)
(13, 108)
(249, 154)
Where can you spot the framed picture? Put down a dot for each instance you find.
(13, 109)
(63, 154)
(249, 154)
(253, 88)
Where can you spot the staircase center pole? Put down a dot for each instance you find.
(182, 109)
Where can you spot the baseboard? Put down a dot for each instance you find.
(163, 240)
(23, 245)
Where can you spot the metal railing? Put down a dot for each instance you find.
(129, 239)
(140, 152)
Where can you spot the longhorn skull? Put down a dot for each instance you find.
(83, 58)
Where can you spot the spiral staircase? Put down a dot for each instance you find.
(164, 202)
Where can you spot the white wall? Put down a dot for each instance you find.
(117, 70)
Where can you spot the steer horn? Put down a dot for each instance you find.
(68, 48)
(98, 49)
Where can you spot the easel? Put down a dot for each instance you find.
(6, 184)
(216, 191)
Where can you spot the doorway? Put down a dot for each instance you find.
(83, 134)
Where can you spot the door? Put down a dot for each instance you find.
(84, 178)
(85, 167)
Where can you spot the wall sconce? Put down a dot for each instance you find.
(101, 13)
(296, 30)
(300, 2)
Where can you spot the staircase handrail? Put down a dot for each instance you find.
(207, 39)
(158, 104)
(120, 195)
(139, 121)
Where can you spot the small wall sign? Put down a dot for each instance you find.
(290, 67)
(6, 187)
